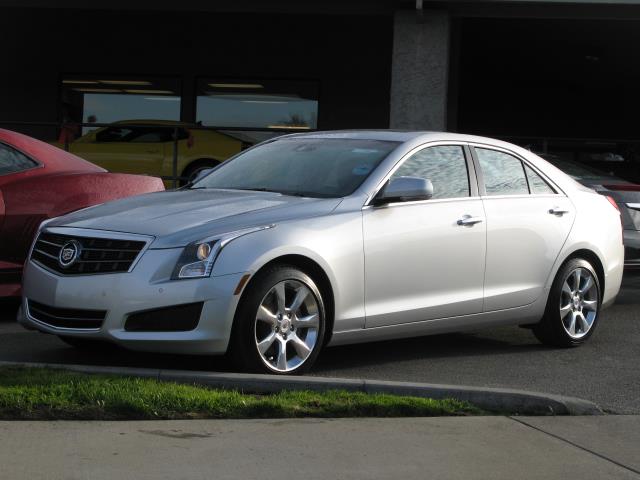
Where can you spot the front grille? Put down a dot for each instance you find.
(97, 255)
(66, 317)
(177, 318)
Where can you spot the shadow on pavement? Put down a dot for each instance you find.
(492, 342)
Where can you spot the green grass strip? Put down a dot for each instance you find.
(46, 394)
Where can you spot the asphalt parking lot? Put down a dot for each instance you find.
(606, 370)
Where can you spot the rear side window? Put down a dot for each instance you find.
(537, 184)
(12, 161)
(444, 166)
(503, 173)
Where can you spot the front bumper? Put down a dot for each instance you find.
(632, 249)
(147, 286)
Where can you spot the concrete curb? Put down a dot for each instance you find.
(498, 400)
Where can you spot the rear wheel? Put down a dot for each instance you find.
(573, 307)
(280, 322)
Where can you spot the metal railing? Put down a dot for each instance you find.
(175, 177)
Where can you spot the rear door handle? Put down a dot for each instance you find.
(558, 211)
(468, 220)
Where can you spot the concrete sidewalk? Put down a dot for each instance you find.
(603, 447)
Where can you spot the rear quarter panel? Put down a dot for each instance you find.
(597, 228)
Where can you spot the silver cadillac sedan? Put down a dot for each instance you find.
(332, 238)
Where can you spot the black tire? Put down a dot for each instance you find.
(243, 349)
(551, 330)
(195, 167)
(84, 343)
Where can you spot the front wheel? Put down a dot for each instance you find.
(191, 173)
(573, 307)
(280, 322)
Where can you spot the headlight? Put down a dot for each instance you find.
(198, 258)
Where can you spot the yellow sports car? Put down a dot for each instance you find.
(128, 148)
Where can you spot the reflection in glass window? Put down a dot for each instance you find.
(503, 173)
(536, 183)
(87, 99)
(265, 104)
(444, 166)
(135, 134)
(12, 161)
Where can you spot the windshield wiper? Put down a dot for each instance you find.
(258, 189)
(289, 193)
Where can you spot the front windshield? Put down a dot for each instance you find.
(310, 167)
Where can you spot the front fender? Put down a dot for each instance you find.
(334, 243)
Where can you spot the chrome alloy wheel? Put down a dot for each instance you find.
(578, 302)
(286, 326)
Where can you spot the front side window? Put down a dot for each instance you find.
(503, 173)
(314, 167)
(12, 161)
(444, 166)
(113, 134)
(135, 135)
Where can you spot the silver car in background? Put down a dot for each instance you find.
(331, 238)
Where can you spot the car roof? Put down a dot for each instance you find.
(401, 136)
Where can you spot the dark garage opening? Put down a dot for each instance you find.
(566, 87)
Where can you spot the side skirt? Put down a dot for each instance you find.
(527, 314)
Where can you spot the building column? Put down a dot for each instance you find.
(420, 70)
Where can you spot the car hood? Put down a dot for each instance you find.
(179, 217)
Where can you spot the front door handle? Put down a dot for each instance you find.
(558, 211)
(468, 220)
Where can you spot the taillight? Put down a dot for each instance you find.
(623, 187)
(615, 205)
(612, 202)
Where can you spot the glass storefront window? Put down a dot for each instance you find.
(290, 105)
(106, 99)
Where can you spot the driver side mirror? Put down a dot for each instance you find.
(405, 189)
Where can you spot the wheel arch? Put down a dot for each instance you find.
(316, 272)
(593, 258)
(193, 162)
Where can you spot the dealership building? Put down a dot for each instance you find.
(561, 77)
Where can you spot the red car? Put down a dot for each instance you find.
(39, 181)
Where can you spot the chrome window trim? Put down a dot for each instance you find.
(406, 156)
(522, 195)
(633, 206)
(89, 233)
(422, 202)
(554, 185)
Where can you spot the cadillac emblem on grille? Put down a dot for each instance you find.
(69, 253)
